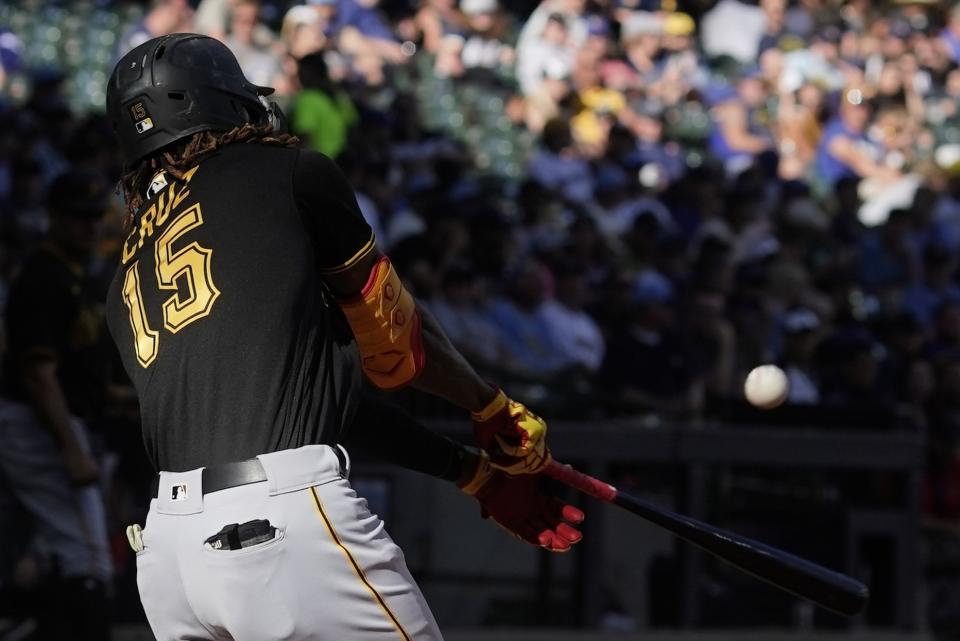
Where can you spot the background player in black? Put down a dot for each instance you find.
(54, 383)
(249, 299)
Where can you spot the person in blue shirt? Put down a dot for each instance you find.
(522, 324)
(950, 36)
(357, 31)
(736, 138)
(888, 262)
(164, 16)
(360, 28)
(923, 298)
(363, 16)
(844, 150)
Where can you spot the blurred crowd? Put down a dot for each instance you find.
(620, 206)
(614, 207)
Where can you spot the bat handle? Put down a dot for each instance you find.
(580, 481)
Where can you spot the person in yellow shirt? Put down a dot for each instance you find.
(600, 107)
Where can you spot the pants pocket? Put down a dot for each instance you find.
(251, 550)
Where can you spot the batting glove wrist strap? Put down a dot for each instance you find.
(514, 436)
(495, 406)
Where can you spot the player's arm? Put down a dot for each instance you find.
(46, 398)
(402, 344)
(399, 343)
(522, 505)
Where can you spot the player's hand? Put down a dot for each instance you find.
(521, 506)
(513, 436)
(81, 468)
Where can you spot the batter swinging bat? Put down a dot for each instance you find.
(831, 590)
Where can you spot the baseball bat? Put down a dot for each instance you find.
(831, 590)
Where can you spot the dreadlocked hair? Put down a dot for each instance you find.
(180, 159)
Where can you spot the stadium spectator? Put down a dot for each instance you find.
(844, 150)
(936, 285)
(945, 342)
(849, 367)
(558, 166)
(54, 383)
(577, 335)
(600, 108)
(946, 212)
(361, 34)
(521, 321)
(460, 306)
(798, 119)
(647, 367)
(640, 36)
(709, 337)
(301, 33)
(589, 249)
(164, 16)
(365, 17)
(212, 18)
(548, 55)
(480, 47)
(888, 262)
(774, 15)
(437, 19)
(254, 46)
(800, 336)
(322, 113)
(11, 61)
(737, 135)
(906, 374)
(950, 36)
(575, 20)
(24, 205)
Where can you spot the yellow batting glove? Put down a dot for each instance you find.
(513, 436)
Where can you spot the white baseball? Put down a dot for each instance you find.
(766, 387)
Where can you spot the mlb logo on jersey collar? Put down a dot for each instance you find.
(178, 492)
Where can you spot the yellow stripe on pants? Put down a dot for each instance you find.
(356, 567)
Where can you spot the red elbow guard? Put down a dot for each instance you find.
(386, 324)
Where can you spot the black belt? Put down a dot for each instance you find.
(227, 475)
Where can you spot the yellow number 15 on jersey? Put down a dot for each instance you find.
(192, 265)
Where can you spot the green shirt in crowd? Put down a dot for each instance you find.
(325, 119)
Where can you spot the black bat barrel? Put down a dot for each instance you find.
(831, 590)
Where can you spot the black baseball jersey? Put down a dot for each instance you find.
(219, 310)
(54, 308)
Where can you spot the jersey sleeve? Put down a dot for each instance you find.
(329, 209)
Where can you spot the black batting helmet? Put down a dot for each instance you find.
(174, 86)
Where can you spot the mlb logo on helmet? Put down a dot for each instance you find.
(141, 121)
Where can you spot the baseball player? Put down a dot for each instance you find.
(249, 302)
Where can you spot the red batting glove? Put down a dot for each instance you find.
(513, 436)
(520, 506)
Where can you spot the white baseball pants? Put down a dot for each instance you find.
(331, 572)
